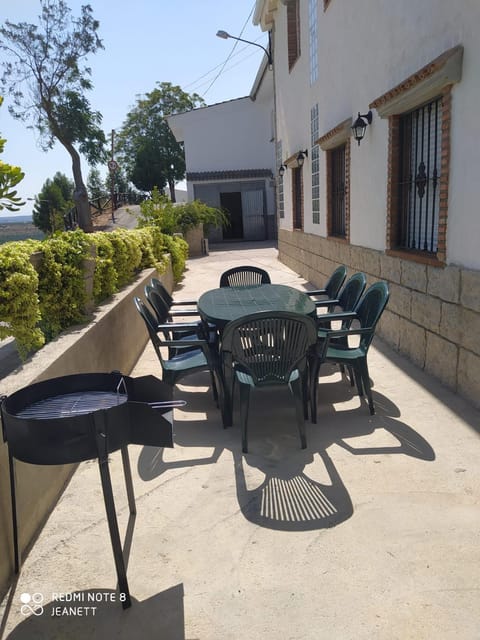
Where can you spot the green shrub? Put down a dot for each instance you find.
(172, 217)
(178, 249)
(19, 304)
(61, 288)
(36, 305)
(105, 275)
(127, 255)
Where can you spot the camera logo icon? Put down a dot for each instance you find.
(31, 603)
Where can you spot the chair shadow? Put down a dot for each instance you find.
(161, 615)
(285, 497)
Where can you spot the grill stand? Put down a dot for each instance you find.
(82, 417)
(101, 439)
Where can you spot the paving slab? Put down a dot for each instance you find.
(372, 532)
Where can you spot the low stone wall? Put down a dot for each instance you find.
(113, 340)
(433, 315)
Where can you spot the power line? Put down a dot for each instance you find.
(194, 82)
(230, 54)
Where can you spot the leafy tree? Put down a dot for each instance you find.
(52, 203)
(147, 146)
(95, 184)
(10, 176)
(47, 79)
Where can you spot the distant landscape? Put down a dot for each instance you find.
(18, 228)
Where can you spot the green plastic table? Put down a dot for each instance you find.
(220, 306)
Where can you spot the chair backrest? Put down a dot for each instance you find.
(151, 324)
(370, 308)
(245, 276)
(334, 283)
(161, 290)
(269, 346)
(352, 292)
(158, 303)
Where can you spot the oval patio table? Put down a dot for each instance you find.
(221, 306)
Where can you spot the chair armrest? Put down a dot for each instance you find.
(211, 354)
(341, 315)
(183, 312)
(326, 303)
(316, 292)
(185, 343)
(332, 334)
(340, 333)
(178, 326)
(187, 302)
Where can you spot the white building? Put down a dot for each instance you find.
(230, 159)
(401, 205)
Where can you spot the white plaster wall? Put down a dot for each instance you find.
(365, 49)
(230, 135)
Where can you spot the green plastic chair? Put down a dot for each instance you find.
(347, 299)
(163, 291)
(329, 349)
(268, 349)
(245, 276)
(347, 302)
(182, 361)
(333, 284)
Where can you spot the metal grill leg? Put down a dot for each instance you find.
(100, 428)
(128, 481)
(16, 550)
(114, 532)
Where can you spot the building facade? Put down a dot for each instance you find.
(230, 159)
(400, 204)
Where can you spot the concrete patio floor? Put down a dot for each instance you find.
(372, 532)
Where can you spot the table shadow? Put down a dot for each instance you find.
(287, 498)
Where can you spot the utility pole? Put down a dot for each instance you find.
(112, 165)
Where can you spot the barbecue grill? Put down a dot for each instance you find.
(83, 417)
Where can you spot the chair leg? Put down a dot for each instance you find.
(214, 388)
(314, 372)
(358, 380)
(244, 405)
(366, 385)
(297, 391)
(351, 376)
(305, 395)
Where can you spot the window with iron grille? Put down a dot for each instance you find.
(313, 28)
(315, 165)
(293, 32)
(337, 191)
(297, 197)
(420, 141)
(280, 196)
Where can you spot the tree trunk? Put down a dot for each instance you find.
(171, 186)
(80, 194)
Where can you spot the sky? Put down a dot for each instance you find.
(146, 41)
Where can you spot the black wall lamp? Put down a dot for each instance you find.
(360, 125)
(301, 157)
(281, 170)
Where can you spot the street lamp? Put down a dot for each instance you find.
(224, 35)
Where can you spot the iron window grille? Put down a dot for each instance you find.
(293, 32)
(315, 164)
(280, 193)
(337, 162)
(297, 199)
(419, 177)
